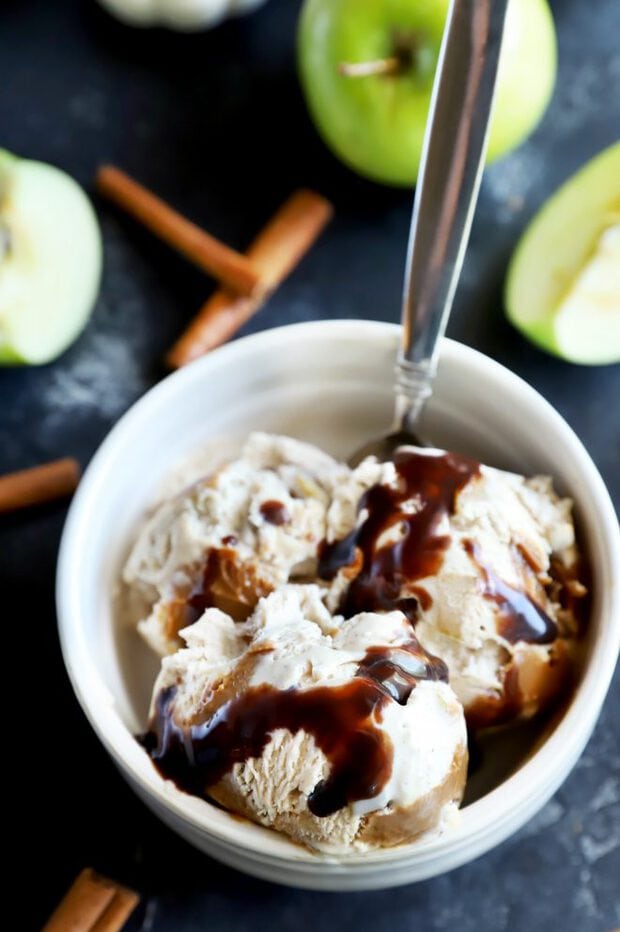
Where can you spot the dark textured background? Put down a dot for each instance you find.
(215, 123)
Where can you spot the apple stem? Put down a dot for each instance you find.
(363, 69)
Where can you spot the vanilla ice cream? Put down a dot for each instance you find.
(484, 563)
(310, 615)
(342, 733)
(235, 535)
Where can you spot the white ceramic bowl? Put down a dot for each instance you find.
(329, 383)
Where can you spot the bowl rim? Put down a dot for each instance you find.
(486, 814)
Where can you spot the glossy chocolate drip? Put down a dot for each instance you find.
(275, 512)
(398, 669)
(202, 596)
(343, 720)
(426, 492)
(520, 617)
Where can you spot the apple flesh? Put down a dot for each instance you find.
(563, 284)
(50, 260)
(375, 122)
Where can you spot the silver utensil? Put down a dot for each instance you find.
(453, 152)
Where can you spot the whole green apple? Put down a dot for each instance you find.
(367, 69)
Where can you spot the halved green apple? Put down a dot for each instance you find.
(563, 285)
(50, 260)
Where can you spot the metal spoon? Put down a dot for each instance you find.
(451, 166)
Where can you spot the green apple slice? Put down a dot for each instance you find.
(563, 285)
(50, 260)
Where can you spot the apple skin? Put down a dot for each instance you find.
(553, 248)
(375, 124)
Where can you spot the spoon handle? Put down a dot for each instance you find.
(447, 189)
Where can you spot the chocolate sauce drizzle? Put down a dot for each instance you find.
(202, 595)
(343, 720)
(397, 669)
(275, 512)
(426, 492)
(520, 617)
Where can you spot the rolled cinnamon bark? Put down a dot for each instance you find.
(82, 904)
(229, 267)
(275, 252)
(39, 484)
(118, 911)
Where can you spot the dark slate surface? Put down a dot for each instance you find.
(215, 123)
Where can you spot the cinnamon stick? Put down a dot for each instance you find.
(39, 484)
(118, 911)
(275, 252)
(228, 266)
(92, 904)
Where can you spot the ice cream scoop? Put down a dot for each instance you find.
(255, 523)
(485, 565)
(341, 733)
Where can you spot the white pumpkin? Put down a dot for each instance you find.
(184, 15)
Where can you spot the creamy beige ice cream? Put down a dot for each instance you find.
(323, 609)
(233, 536)
(340, 732)
(484, 562)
